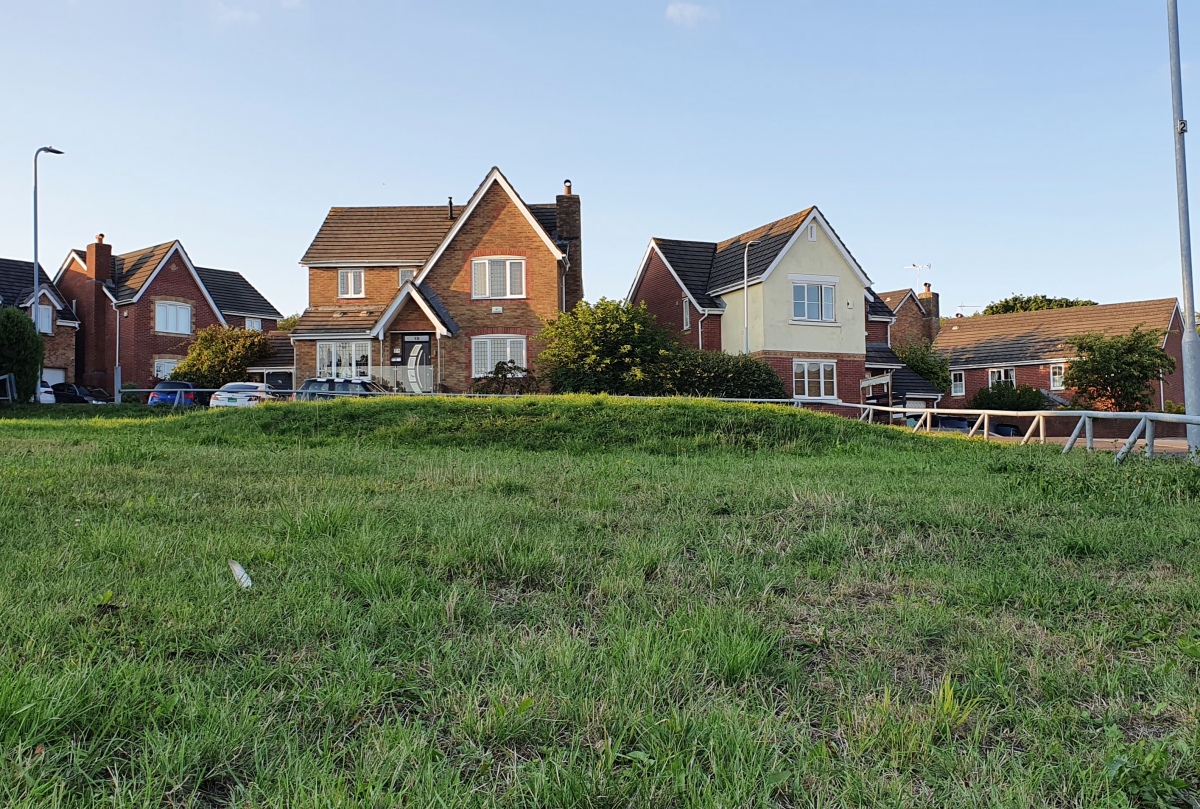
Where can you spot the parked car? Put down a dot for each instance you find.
(100, 395)
(66, 393)
(45, 393)
(173, 394)
(335, 388)
(242, 394)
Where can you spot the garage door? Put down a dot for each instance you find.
(54, 375)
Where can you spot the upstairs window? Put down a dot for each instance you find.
(958, 383)
(687, 315)
(1007, 376)
(350, 284)
(254, 324)
(45, 319)
(813, 302)
(407, 275)
(498, 278)
(173, 318)
(1057, 372)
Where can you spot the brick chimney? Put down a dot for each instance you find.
(570, 231)
(95, 312)
(931, 302)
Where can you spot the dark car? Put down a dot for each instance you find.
(100, 395)
(173, 394)
(335, 388)
(66, 393)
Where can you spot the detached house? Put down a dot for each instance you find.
(791, 294)
(429, 298)
(1030, 348)
(56, 321)
(140, 311)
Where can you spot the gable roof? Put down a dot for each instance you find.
(1029, 337)
(132, 270)
(409, 234)
(876, 308)
(895, 299)
(16, 283)
(692, 265)
(234, 295)
(425, 299)
(773, 237)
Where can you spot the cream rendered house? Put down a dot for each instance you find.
(811, 312)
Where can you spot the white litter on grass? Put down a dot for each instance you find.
(240, 575)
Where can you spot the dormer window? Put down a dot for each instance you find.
(350, 284)
(498, 278)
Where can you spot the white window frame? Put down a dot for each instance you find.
(411, 272)
(958, 383)
(1062, 372)
(254, 324)
(166, 317)
(484, 352)
(999, 375)
(812, 231)
(165, 365)
(824, 366)
(826, 302)
(482, 269)
(332, 350)
(687, 314)
(45, 319)
(346, 282)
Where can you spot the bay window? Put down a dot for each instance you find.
(498, 278)
(814, 379)
(344, 359)
(490, 349)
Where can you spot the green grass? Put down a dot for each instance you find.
(586, 602)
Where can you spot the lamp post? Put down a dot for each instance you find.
(746, 296)
(33, 310)
(1191, 340)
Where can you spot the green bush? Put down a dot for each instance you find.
(1116, 373)
(1003, 396)
(927, 362)
(507, 377)
(221, 355)
(712, 373)
(1032, 303)
(21, 351)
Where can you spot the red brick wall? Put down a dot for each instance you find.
(664, 297)
(851, 371)
(911, 325)
(380, 285)
(1172, 388)
(877, 332)
(93, 308)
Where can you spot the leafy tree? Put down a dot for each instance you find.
(220, 355)
(1114, 373)
(713, 373)
(507, 377)
(1003, 396)
(927, 362)
(606, 347)
(288, 323)
(21, 350)
(1032, 303)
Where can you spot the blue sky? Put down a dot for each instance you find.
(1017, 147)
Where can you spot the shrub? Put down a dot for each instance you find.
(606, 347)
(1032, 303)
(927, 362)
(21, 351)
(1003, 396)
(288, 323)
(221, 355)
(507, 377)
(712, 373)
(1114, 373)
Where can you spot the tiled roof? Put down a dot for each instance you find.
(692, 262)
(232, 293)
(1026, 337)
(893, 298)
(337, 320)
(396, 234)
(906, 382)
(16, 281)
(284, 353)
(132, 270)
(439, 308)
(880, 355)
(774, 236)
(876, 307)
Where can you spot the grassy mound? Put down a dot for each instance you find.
(586, 602)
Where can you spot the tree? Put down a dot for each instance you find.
(1003, 396)
(507, 377)
(21, 350)
(927, 362)
(1032, 303)
(606, 347)
(288, 323)
(1114, 373)
(220, 355)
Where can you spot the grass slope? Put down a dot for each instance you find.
(586, 602)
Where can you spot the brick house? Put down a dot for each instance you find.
(812, 315)
(918, 316)
(1029, 348)
(56, 322)
(429, 298)
(150, 303)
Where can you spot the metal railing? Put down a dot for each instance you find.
(1145, 427)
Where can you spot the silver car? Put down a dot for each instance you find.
(242, 394)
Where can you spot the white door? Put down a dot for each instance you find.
(54, 375)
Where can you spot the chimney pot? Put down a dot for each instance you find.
(451, 204)
(928, 286)
(566, 188)
(99, 238)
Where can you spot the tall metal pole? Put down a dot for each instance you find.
(37, 279)
(1191, 340)
(746, 296)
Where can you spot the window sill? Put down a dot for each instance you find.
(350, 297)
(172, 333)
(819, 399)
(825, 323)
(504, 298)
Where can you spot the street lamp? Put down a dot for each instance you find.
(33, 310)
(746, 296)
(1191, 340)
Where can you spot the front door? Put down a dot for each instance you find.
(417, 363)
